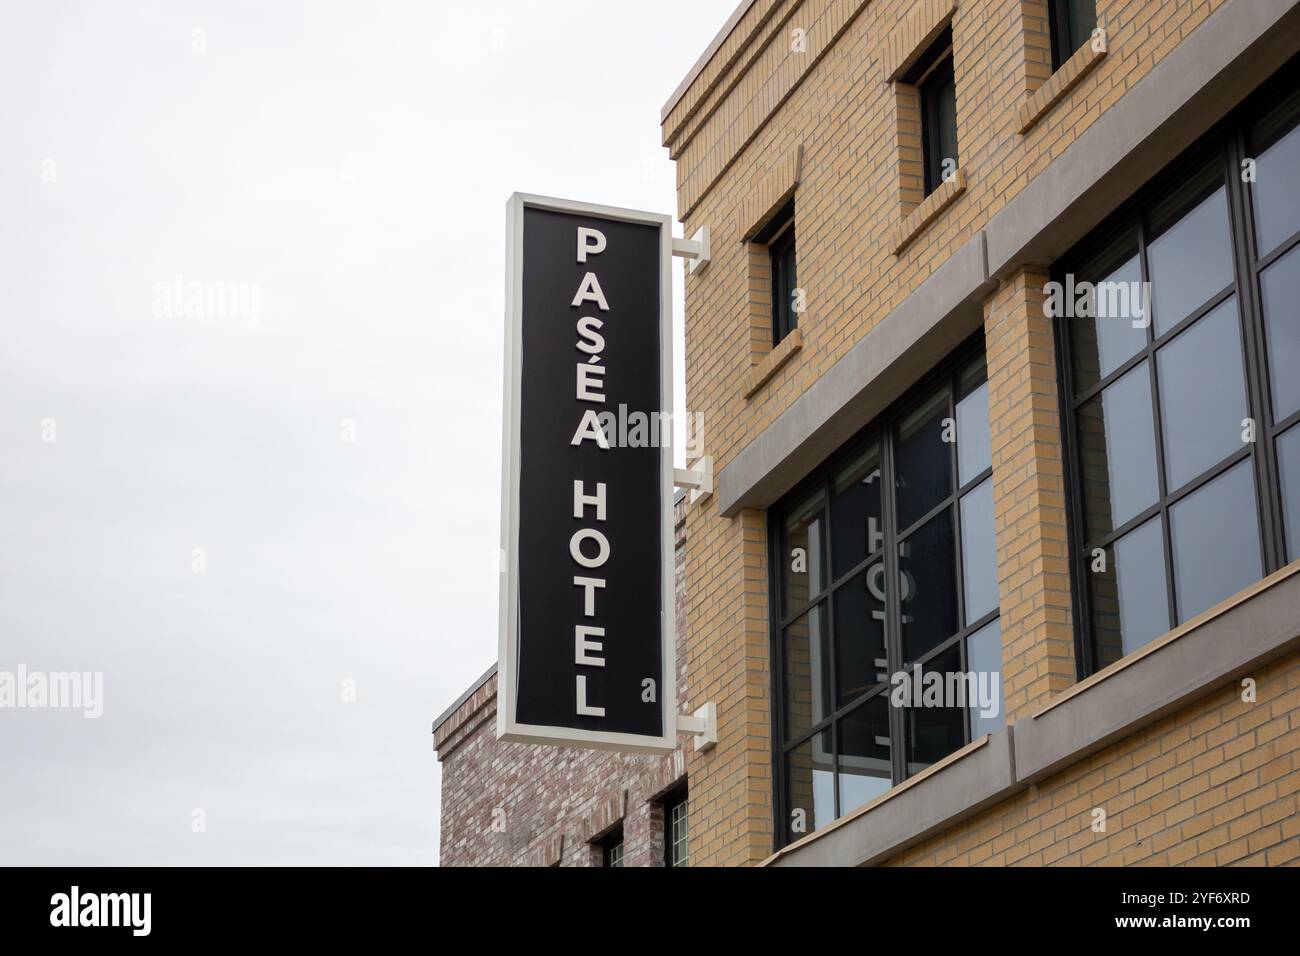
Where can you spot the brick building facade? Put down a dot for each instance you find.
(516, 804)
(920, 464)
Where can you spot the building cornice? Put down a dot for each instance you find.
(480, 693)
(705, 58)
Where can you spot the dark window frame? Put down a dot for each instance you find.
(670, 803)
(610, 844)
(1060, 26)
(934, 77)
(779, 237)
(1227, 144)
(880, 431)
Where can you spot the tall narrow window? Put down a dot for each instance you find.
(1275, 141)
(934, 79)
(887, 567)
(676, 830)
(1184, 421)
(778, 236)
(1070, 23)
(611, 849)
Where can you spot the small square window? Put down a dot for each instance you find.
(1070, 23)
(935, 81)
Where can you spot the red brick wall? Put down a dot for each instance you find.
(514, 804)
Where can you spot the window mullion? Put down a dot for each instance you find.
(1161, 488)
(964, 667)
(1083, 637)
(955, 504)
(1250, 320)
(893, 636)
(832, 648)
(958, 540)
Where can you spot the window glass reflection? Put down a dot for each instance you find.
(810, 786)
(1202, 394)
(1103, 344)
(1281, 286)
(979, 560)
(807, 672)
(885, 572)
(922, 467)
(1129, 599)
(928, 588)
(1288, 454)
(1117, 449)
(855, 511)
(802, 574)
(859, 608)
(984, 660)
(1179, 466)
(1215, 541)
(1277, 201)
(973, 444)
(864, 763)
(935, 726)
(1191, 261)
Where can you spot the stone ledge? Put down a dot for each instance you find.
(760, 373)
(448, 727)
(1040, 102)
(1214, 648)
(914, 222)
(963, 783)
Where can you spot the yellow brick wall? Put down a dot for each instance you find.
(767, 93)
(1028, 496)
(1211, 785)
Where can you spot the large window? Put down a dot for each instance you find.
(884, 564)
(1070, 23)
(1183, 410)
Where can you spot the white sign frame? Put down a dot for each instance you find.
(508, 728)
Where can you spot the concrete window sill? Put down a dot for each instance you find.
(914, 222)
(761, 373)
(963, 783)
(1039, 103)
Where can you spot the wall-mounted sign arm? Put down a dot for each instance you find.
(703, 724)
(699, 480)
(695, 250)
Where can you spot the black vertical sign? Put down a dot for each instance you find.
(586, 641)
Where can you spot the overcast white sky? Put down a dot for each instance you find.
(349, 163)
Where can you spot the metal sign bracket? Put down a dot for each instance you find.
(695, 250)
(703, 724)
(699, 480)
